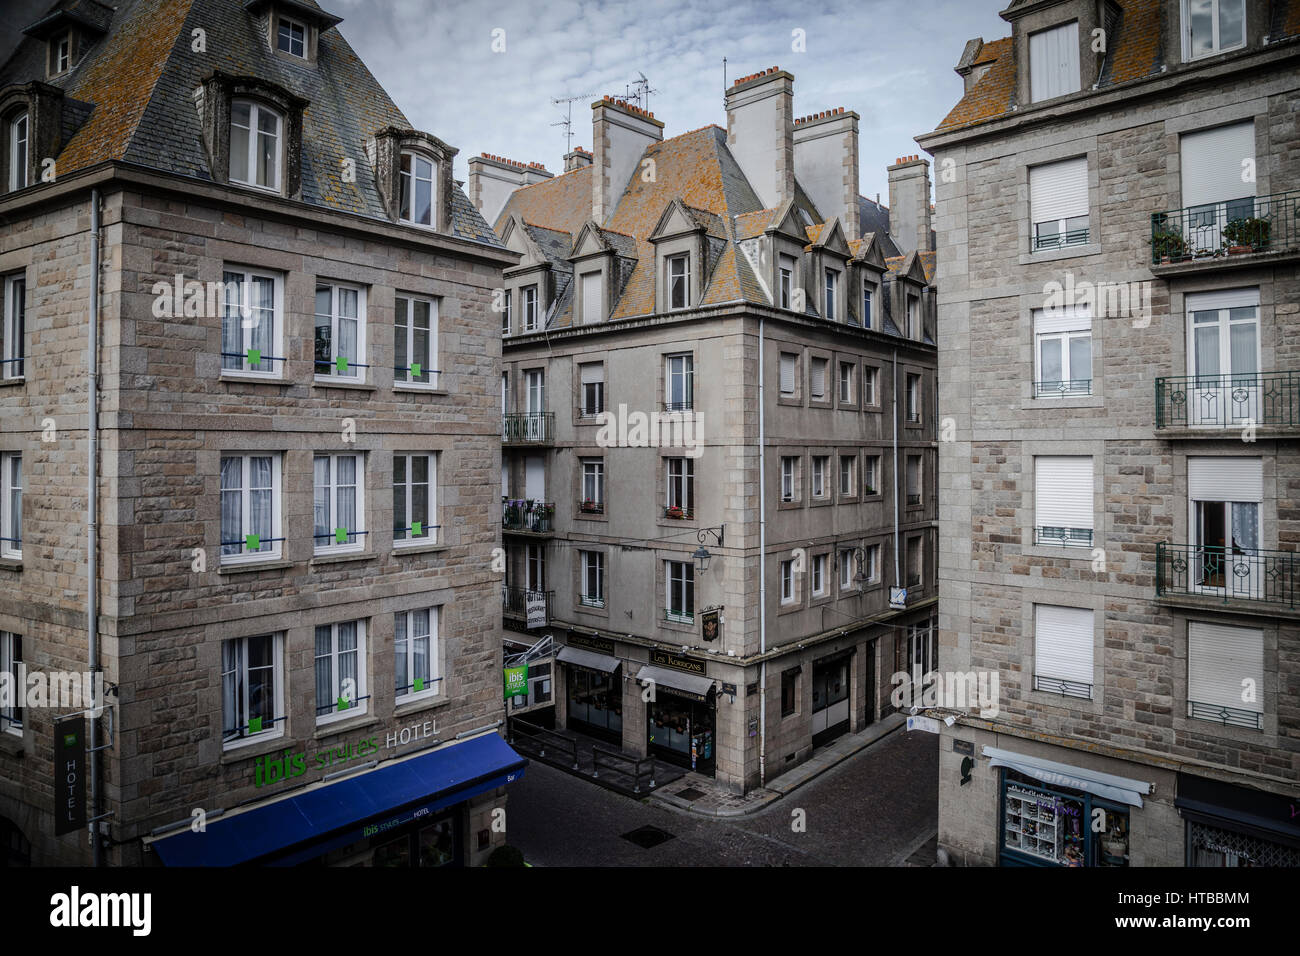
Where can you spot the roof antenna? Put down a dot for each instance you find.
(724, 82)
(640, 92)
(567, 122)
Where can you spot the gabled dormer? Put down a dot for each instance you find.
(909, 303)
(785, 239)
(413, 175)
(1059, 45)
(68, 31)
(599, 259)
(679, 240)
(31, 118)
(866, 275)
(828, 265)
(293, 27)
(252, 132)
(530, 287)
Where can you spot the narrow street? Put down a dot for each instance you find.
(878, 808)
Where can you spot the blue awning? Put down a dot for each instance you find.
(308, 824)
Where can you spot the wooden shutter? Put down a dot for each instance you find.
(787, 373)
(1212, 164)
(1063, 492)
(1063, 643)
(1054, 62)
(1219, 658)
(1225, 479)
(1058, 190)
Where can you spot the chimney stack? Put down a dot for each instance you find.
(909, 204)
(576, 159)
(826, 162)
(620, 133)
(966, 69)
(493, 178)
(760, 132)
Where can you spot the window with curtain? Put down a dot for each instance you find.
(250, 508)
(11, 505)
(415, 341)
(415, 493)
(251, 324)
(252, 702)
(339, 503)
(415, 652)
(340, 340)
(13, 334)
(256, 141)
(340, 670)
(680, 580)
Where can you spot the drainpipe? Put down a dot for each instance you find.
(762, 565)
(898, 574)
(92, 499)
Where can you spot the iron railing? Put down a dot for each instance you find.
(1063, 389)
(528, 428)
(679, 512)
(1233, 400)
(1066, 688)
(1231, 575)
(514, 602)
(527, 515)
(640, 766)
(1234, 716)
(679, 617)
(590, 506)
(1257, 223)
(1065, 537)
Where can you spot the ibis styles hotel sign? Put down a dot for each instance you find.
(516, 681)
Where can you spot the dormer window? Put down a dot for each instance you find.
(61, 53)
(787, 271)
(679, 282)
(912, 323)
(832, 283)
(18, 140)
(868, 290)
(1213, 26)
(1054, 62)
(416, 182)
(291, 38)
(256, 136)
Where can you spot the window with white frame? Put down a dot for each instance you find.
(868, 294)
(1058, 204)
(1225, 495)
(506, 305)
(679, 579)
(11, 658)
(679, 282)
(415, 657)
(818, 374)
(417, 189)
(871, 564)
(256, 145)
(339, 503)
(593, 303)
(832, 285)
(530, 308)
(913, 329)
(11, 505)
(61, 53)
(1212, 26)
(415, 341)
(252, 323)
(1224, 663)
(870, 375)
(340, 332)
(592, 564)
(913, 398)
(679, 383)
(848, 484)
(789, 363)
(845, 560)
(871, 475)
(341, 670)
(252, 688)
(1062, 352)
(681, 487)
(1063, 650)
(1224, 355)
(819, 577)
(19, 145)
(1216, 189)
(820, 465)
(789, 478)
(250, 508)
(535, 392)
(593, 485)
(913, 480)
(592, 378)
(847, 396)
(1063, 500)
(291, 38)
(415, 499)
(13, 335)
(787, 582)
(1054, 62)
(535, 567)
(915, 561)
(787, 281)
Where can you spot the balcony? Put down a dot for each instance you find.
(527, 516)
(1240, 578)
(515, 601)
(528, 428)
(1268, 400)
(1232, 233)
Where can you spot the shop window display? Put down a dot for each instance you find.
(1059, 826)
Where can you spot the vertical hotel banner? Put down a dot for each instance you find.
(69, 775)
(516, 681)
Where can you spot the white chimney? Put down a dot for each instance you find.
(909, 204)
(826, 164)
(760, 132)
(620, 133)
(493, 178)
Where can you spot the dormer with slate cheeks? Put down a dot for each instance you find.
(68, 31)
(293, 27)
(678, 235)
(1193, 35)
(594, 275)
(866, 272)
(241, 117)
(31, 117)
(828, 256)
(410, 167)
(1054, 41)
(533, 276)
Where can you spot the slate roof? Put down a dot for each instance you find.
(132, 97)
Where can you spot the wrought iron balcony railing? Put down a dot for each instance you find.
(591, 506)
(1228, 716)
(1231, 575)
(1066, 688)
(533, 517)
(1229, 401)
(1065, 537)
(679, 617)
(528, 428)
(1063, 389)
(514, 602)
(1249, 224)
(679, 512)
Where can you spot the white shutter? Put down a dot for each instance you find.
(592, 310)
(1225, 299)
(1063, 319)
(1054, 62)
(535, 477)
(1058, 190)
(1212, 164)
(819, 378)
(592, 373)
(787, 373)
(1063, 643)
(1225, 479)
(1219, 658)
(505, 480)
(1063, 492)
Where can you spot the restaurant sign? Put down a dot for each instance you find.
(680, 663)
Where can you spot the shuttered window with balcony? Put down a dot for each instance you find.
(1058, 204)
(1225, 673)
(1063, 500)
(1063, 650)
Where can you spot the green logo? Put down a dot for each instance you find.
(516, 680)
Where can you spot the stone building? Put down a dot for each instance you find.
(280, 302)
(1118, 245)
(718, 429)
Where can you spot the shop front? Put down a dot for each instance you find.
(594, 688)
(1053, 814)
(681, 712)
(1231, 826)
(830, 697)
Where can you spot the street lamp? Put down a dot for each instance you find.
(702, 554)
(702, 557)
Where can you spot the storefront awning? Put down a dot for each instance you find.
(1269, 816)
(308, 823)
(690, 685)
(1120, 789)
(592, 661)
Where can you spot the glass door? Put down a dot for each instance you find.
(534, 424)
(1227, 548)
(1225, 386)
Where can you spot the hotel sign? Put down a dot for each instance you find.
(516, 681)
(676, 661)
(69, 775)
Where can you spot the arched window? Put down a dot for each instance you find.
(256, 135)
(417, 180)
(18, 149)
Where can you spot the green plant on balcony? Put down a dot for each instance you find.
(1246, 235)
(1169, 245)
(675, 511)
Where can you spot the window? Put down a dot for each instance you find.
(1225, 495)
(252, 324)
(913, 480)
(869, 376)
(679, 282)
(820, 465)
(680, 580)
(787, 582)
(61, 53)
(846, 383)
(680, 383)
(415, 499)
(18, 147)
(250, 508)
(1221, 662)
(593, 578)
(832, 280)
(788, 360)
(592, 378)
(1223, 342)
(593, 306)
(1054, 62)
(505, 313)
(819, 575)
(11, 658)
(415, 643)
(1063, 352)
(848, 487)
(416, 190)
(789, 478)
(255, 145)
(871, 475)
(535, 566)
(868, 290)
(818, 387)
(340, 332)
(871, 564)
(339, 505)
(340, 670)
(1215, 186)
(681, 487)
(1063, 500)
(915, 561)
(1213, 26)
(291, 38)
(593, 485)
(914, 399)
(789, 691)
(252, 688)
(13, 334)
(530, 308)
(787, 268)
(845, 561)
(535, 391)
(1058, 204)
(415, 341)
(1063, 655)
(912, 330)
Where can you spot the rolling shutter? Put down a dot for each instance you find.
(1227, 299)
(1063, 492)
(1063, 643)
(1054, 62)
(592, 373)
(1058, 190)
(1225, 479)
(787, 373)
(819, 378)
(1219, 658)
(1063, 319)
(1212, 164)
(591, 298)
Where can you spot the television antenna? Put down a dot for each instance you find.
(567, 122)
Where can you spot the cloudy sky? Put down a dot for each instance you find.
(889, 60)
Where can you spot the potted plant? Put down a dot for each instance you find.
(674, 512)
(1169, 245)
(1246, 235)
(589, 505)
